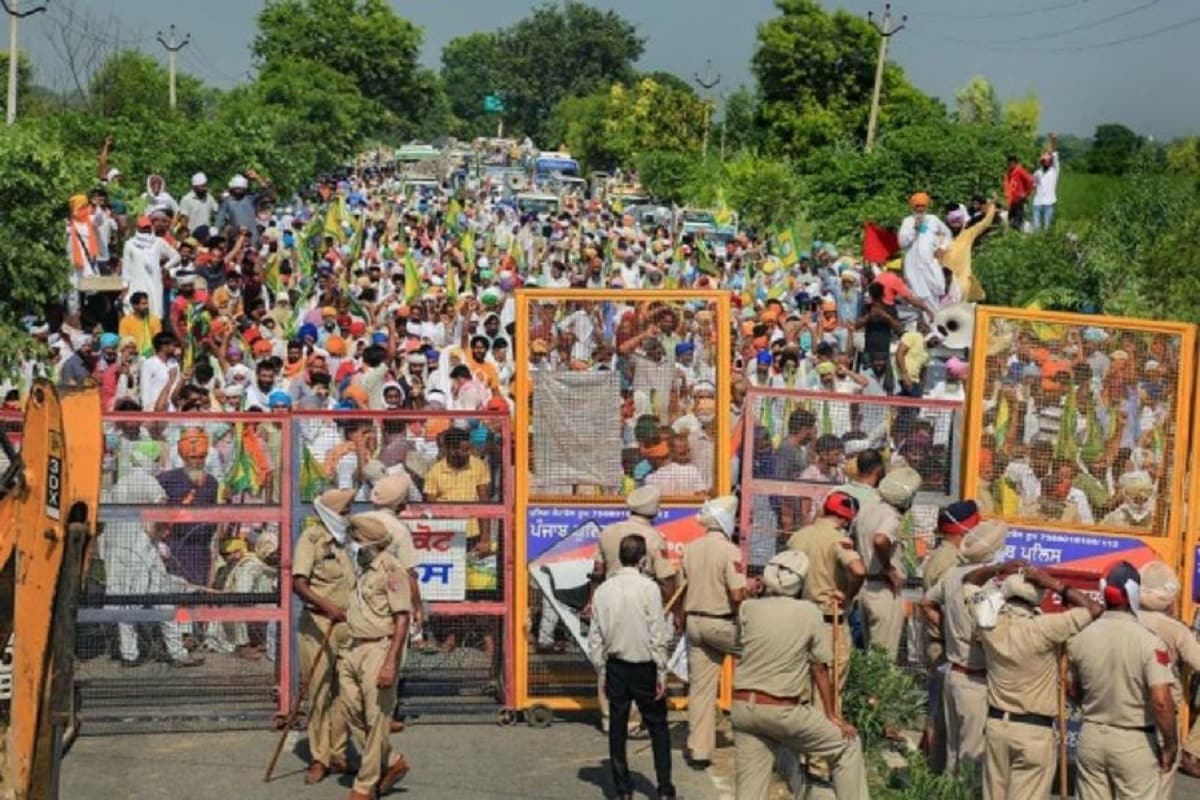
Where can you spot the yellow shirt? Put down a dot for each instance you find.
(142, 330)
(444, 484)
(916, 356)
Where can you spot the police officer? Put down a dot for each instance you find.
(377, 622)
(953, 522)
(784, 647)
(877, 537)
(643, 504)
(965, 694)
(1159, 591)
(1117, 665)
(715, 583)
(835, 571)
(323, 578)
(1022, 684)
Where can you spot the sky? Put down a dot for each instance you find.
(1090, 61)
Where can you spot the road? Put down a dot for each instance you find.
(466, 762)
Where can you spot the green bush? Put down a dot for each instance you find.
(879, 696)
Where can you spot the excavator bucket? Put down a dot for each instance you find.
(44, 548)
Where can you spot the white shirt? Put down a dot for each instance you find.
(628, 622)
(677, 479)
(142, 263)
(1045, 181)
(199, 212)
(155, 376)
(922, 271)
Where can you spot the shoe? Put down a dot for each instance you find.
(395, 726)
(666, 794)
(338, 765)
(189, 660)
(316, 773)
(698, 763)
(135, 662)
(394, 773)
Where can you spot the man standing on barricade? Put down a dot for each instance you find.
(946, 604)
(323, 578)
(782, 639)
(643, 506)
(1122, 674)
(377, 623)
(715, 583)
(953, 522)
(877, 536)
(1022, 653)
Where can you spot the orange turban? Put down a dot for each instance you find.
(919, 199)
(336, 346)
(660, 450)
(77, 202)
(356, 393)
(193, 443)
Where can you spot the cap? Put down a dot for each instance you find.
(369, 530)
(1121, 586)
(391, 490)
(841, 505)
(644, 501)
(784, 574)
(336, 500)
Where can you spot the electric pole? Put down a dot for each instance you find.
(173, 45)
(886, 32)
(14, 17)
(707, 82)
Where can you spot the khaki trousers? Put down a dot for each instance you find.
(1020, 761)
(368, 708)
(884, 613)
(965, 699)
(1116, 764)
(709, 641)
(327, 732)
(759, 730)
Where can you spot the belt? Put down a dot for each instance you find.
(1139, 729)
(878, 577)
(764, 699)
(357, 640)
(706, 615)
(967, 670)
(1028, 719)
(831, 618)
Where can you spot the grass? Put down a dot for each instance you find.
(1082, 195)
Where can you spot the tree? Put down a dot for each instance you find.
(556, 53)
(578, 122)
(133, 85)
(1023, 115)
(1113, 148)
(24, 78)
(669, 176)
(35, 180)
(365, 40)
(816, 74)
(976, 103)
(670, 80)
(469, 73)
(1183, 155)
(738, 119)
(765, 192)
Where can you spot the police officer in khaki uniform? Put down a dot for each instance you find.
(1022, 684)
(953, 522)
(715, 583)
(1159, 591)
(964, 696)
(377, 621)
(1122, 674)
(644, 504)
(783, 640)
(323, 578)
(876, 532)
(835, 570)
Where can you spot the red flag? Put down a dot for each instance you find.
(879, 244)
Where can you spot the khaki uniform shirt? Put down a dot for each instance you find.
(325, 564)
(1022, 657)
(958, 621)
(1180, 641)
(877, 518)
(780, 637)
(381, 592)
(712, 566)
(1115, 661)
(608, 554)
(936, 565)
(830, 551)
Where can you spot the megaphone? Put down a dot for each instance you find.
(955, 325)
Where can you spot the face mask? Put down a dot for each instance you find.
(333, 522)
(331, 326)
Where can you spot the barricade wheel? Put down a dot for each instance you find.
(507, 717)
(539, 717)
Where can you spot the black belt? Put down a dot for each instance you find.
(1146, 729)
(706, 615)
(368, 640)
(831, 618)
(883, 577)
(1028, 719)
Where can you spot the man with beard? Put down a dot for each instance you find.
(160, 370)
(77, 369)
(191, 485)
(461, 477)
(143, 261)
(240, 209)
(259, 393)
(198, 205)
(1137, 509)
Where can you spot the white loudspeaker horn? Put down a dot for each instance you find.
(955, 325)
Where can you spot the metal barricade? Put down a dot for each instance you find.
(795, 450)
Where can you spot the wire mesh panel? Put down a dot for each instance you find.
(1081, 421)
(459, 513)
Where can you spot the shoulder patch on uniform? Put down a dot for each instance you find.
(1163, 657)
(394, 582)
(738, 566)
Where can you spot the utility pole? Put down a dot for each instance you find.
(707, 82)
(886, 32)
(14, 17)
(173, 45)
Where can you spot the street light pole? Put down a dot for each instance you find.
(708, 82)
(14, 18)
(173, 46)
(886, 32)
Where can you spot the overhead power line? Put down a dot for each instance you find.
(1037, 37)
(999, 14)
(1074, 48)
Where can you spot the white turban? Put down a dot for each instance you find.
(982, 543)
(1160, 586)
(785, 573)
(719, 514)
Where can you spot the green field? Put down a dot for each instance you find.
(1082, 195)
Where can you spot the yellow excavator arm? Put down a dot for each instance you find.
(48, 505)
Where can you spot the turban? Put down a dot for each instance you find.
(336, 346)
(193, 443)
(109, 340)
(659, 450)
(719, 514)
(644, 501)
(391, 490)
(77, 202)
(784, 574)
(1018, 587)
(958, 518)
(1160, 586)
(1121, 587)
(919, 199)
(984, 541)
(369, 530)
(899, 487)
(266, 545)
